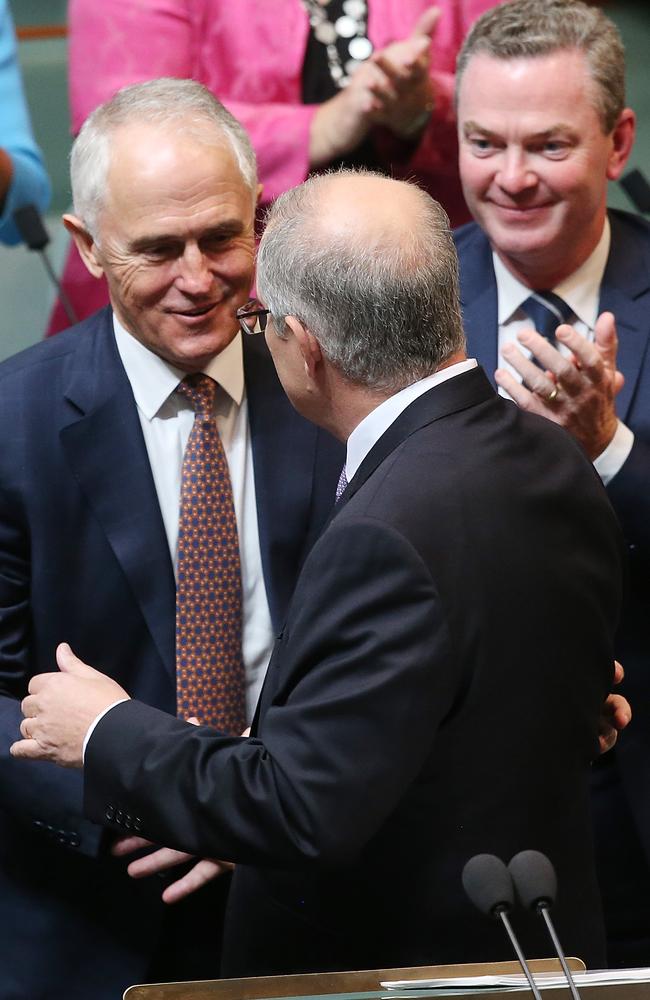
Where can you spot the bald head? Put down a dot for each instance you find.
(369, 210)
(369, 267)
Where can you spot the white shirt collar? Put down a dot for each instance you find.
(371, 428)
(581, 290)
(153, 380)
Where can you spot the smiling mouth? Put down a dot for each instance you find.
(196, 310)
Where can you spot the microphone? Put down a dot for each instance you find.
(536, 884)
(30, 226)
(488, 883)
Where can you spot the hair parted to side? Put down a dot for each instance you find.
(528, 28)
(186, 105)
(385, 316)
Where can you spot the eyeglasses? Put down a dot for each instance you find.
(252, 317)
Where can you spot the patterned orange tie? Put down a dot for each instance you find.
(209, 668)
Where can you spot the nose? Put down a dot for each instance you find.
(194, 275)
(516, 175)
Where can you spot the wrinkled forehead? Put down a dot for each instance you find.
(159, 172)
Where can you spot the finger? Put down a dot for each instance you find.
(621, 711)
(68, 663)
(384, 85)
(158, 861)
(533, 377)
(607, 739)
(27, 749)
(203, 872)
(619, 672)
(427, 22)
(606, 338)
(562, 368)
(522, 396)
(587, 356)
(25, 730)
(128, 845)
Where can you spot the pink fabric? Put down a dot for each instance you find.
(250, 54)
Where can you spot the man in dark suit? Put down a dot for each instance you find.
(90, 475)
(434, 691)
(543, 126)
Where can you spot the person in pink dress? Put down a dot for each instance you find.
(283, 68)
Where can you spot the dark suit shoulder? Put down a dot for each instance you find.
(30, 361)
(629, 223)
(469, 236)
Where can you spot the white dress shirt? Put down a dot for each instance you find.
(366, 434)
(166, 418)
(581, 291)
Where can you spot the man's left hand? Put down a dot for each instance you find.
(578, 392)
(165, 859)
(60, 708)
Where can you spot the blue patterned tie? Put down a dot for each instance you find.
(547, 311)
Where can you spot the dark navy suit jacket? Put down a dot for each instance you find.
(418, 708)
(625, 291)
(84, 558)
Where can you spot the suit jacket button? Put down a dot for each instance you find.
(137, 824)
(74, 839)
(119, 817)
(110, 813)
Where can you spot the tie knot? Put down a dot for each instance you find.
(200, 390)
(547, 311)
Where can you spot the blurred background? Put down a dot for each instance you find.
(25, 294)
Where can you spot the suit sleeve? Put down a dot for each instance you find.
(40, 796)
(629, 492)
(357, 684)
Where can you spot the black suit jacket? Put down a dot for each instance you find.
(622, 780)
(84, 558)
(434, 693)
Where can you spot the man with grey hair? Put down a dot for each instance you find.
(543, 127)
(106, 490)
(404, 723)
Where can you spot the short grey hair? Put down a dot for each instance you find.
(385, 316)
(529, 28)
(185, 104)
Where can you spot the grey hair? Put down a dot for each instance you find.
(185, 104)
(385, 315)
(529, 28)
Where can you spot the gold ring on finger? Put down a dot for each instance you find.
(553, 394)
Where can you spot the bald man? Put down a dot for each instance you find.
(404, 723)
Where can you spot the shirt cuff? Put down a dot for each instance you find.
(611, 460)
(93, 724)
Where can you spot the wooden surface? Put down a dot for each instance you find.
(322, 984)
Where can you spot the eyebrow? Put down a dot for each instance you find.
(229, 227)
(472, 126)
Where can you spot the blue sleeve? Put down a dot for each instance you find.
(29, 182)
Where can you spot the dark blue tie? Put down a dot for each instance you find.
(547, 311)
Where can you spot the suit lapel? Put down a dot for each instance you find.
(103, 441)
(478, 295)
(284, 447)
(625, 292)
